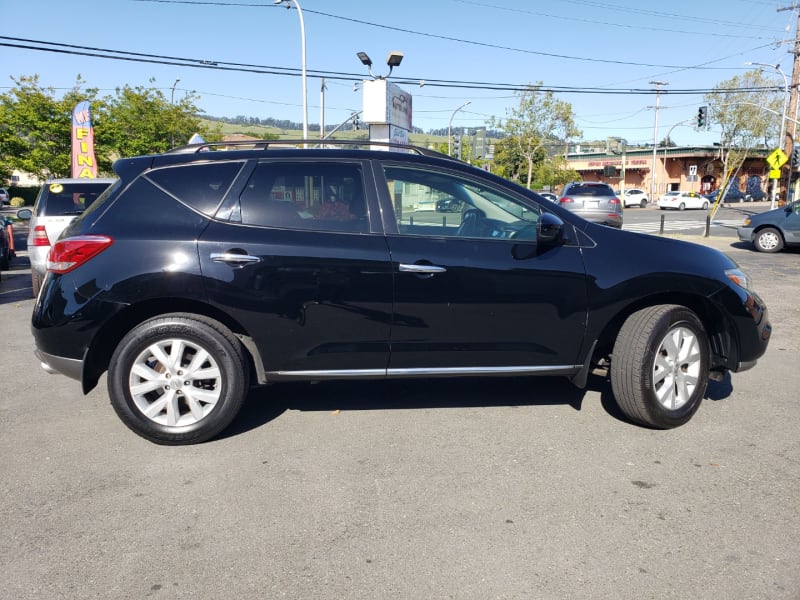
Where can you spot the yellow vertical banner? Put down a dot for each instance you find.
(84, 165)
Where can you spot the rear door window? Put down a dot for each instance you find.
(305, 195)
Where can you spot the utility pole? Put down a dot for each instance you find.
(653, 189)
(791, 128)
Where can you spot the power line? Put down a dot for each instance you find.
(72, 49)
(442, 37)
(638, 27)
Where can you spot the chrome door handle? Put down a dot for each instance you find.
(233, 257)
(421, 269)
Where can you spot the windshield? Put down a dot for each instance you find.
(70, 198)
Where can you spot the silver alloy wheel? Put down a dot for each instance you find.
(676, 368)
(769, 240)
(175, 382)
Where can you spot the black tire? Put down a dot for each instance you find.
(682, 206)
(659, 367)
(643, 204)
(769, 240)
(705, 205)
(36, 282)
(188, 404)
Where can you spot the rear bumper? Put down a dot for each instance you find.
(38, 257)
(70, 367)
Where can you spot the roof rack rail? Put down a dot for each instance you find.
(301, 143)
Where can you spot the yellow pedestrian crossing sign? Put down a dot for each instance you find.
(777, 158)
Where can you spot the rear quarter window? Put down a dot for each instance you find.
(200, 186)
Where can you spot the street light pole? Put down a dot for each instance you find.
(172, 93)
(653, 188)
(450, 127)
(667, 140)
(782, 135)
(303, 60)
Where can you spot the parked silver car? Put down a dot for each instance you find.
(771, 231)
(593, 201)
(59, 202)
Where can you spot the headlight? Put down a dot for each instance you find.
(738, 277)
(747, 222)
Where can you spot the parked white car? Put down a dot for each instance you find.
(60, 201)
(635, 197)
(682, 201)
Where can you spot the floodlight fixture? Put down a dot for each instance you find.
(366, 61)
(393, 60)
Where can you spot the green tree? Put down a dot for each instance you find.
(143, 121)
(746, 118)
(540, 120)
(36, 126)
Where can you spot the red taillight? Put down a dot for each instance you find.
(566, 200)
(40, 236)
(70, 253)
(614, 201)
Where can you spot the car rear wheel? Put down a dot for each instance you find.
(768, 240)
(36, 282)
(643, 204)
(659, 366)
(682, 206)
(178, 379)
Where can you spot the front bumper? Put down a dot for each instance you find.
(745, 234)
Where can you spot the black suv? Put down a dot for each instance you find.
(211, 268)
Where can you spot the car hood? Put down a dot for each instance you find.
(645, 253)
(768, 216)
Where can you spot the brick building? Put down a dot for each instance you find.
(686, 168)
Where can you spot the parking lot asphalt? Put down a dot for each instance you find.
(487, 488)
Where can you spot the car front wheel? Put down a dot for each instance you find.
(768, 240)
(178, 379)
(659, 366)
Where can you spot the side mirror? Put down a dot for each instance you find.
(551, 230)
(25, 214)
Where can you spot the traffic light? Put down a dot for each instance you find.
(457, 145)
(702, 117)
(610, 171)
(796, 158)
(356, 124)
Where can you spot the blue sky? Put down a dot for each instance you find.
(608, 44)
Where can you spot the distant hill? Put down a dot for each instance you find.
(259, 131)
